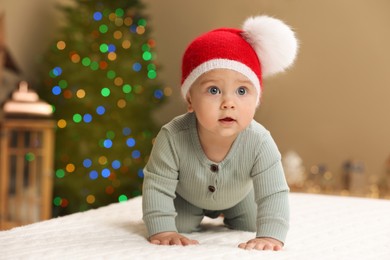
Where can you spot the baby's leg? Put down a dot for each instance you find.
(243, 215)
(188, 216)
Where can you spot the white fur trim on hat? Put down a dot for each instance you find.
(274, 42)
(220, 64)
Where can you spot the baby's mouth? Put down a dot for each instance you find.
(227, 119)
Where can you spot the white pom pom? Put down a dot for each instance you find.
(274, 42)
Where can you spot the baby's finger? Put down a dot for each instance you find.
(260, 246)
(277, 248)
(250, 246)
(268, 247)
(187, 242)
(175, 241)
(165, 242)
(155, 242)
(244, 246)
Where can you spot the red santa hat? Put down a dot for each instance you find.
(265, 46)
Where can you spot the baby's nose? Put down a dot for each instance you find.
(228, 103)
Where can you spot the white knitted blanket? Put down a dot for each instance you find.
(322, 227)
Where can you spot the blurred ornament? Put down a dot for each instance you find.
(373, 187)
(318, 178)
(355, 179)
(294, 169)
(27, 103)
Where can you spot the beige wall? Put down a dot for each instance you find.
(28, 26)
(331, 106)
(334, 103)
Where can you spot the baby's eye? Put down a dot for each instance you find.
(214, 90)
(241, 91)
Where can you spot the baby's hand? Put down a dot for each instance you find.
(262, 243)
(171, 238)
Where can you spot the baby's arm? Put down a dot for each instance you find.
(171, 238)
(262, 243)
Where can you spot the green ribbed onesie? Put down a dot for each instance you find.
(181, 184)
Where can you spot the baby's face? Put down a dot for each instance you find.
(224, 102)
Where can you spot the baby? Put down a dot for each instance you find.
(216, 159)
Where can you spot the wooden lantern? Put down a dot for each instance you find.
(26, 159)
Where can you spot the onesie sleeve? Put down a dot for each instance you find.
(271, 192)
(159, 186)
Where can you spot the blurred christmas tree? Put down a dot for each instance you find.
(100, 77)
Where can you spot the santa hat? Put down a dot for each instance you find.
(265, 46)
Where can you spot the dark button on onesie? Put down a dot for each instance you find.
(213, 168)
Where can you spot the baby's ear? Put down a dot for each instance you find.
(189, 104)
